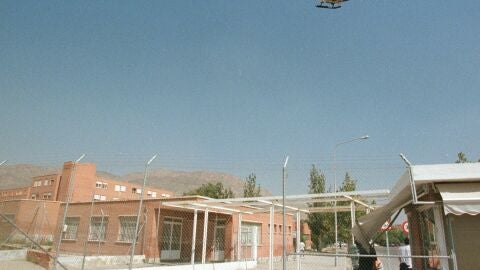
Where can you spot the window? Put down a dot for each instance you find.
(47, 195)
(34, 196)
(136, 190)
(98, 197)
(37, 183)
(71, 228)
(117, 188)
(248, 231)
(51, 182)
(10, 217)
(154, 194)
(97, 228)
(123, 188)
(127, 229)
(45, 183)
(101, 185)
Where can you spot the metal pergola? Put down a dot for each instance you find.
(294, 205)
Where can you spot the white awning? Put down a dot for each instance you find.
(438, 174)
(460, 198)
(369, 225)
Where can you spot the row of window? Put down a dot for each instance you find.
(121, 188)
(98, 228)
(101, 185)
(47, 182)
(278, 228)
(45, 196)
(11, 193)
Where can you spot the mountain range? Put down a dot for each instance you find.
(14, 176)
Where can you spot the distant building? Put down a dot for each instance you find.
(102, 213)
(86, 185)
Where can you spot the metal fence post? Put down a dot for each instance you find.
(69, 197)
(134, 242)
(86, 238)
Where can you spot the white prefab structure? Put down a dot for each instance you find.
(451, 192)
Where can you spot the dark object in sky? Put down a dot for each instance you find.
(331, 4)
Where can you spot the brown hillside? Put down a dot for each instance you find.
(20, 175)
(13, 176)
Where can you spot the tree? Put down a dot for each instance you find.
(250, 188)
(462, 158)
(344, 218)
(214, 190)
(321, 224)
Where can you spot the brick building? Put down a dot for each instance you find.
(86, 183)
(108, 228)
(106, 224)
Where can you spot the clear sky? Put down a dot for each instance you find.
(234, 86)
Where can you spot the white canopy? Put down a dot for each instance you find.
(460, 198)
(401, 195)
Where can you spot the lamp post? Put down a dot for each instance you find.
(134, 242)
(335, 186)
(284, 253)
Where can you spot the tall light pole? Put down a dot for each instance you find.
(69, 197)
(139, 212)
(284, 252)
(335, 186)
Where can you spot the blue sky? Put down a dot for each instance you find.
(235, 86)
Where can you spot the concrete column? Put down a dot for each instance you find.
(440, 235)
(254, 243)
(239, 238)
(352, 217)
(205, 234)
(157, 231)
(270, 255)
(194, 237)
(297, 216)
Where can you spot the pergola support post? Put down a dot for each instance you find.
(194, 237)
(298, 239)
(239, 238)
(352, 217)
(205, 232)
(270, 255)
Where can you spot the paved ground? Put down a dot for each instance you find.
(311, 262)
(19, 265)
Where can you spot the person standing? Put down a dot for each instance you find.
(302, 248)
(405, 254)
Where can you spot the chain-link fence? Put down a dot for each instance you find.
(115, 230)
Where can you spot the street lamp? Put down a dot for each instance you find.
(69, 197)
(134, 242)
(335, 186)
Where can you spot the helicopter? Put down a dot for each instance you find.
(331, 4)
